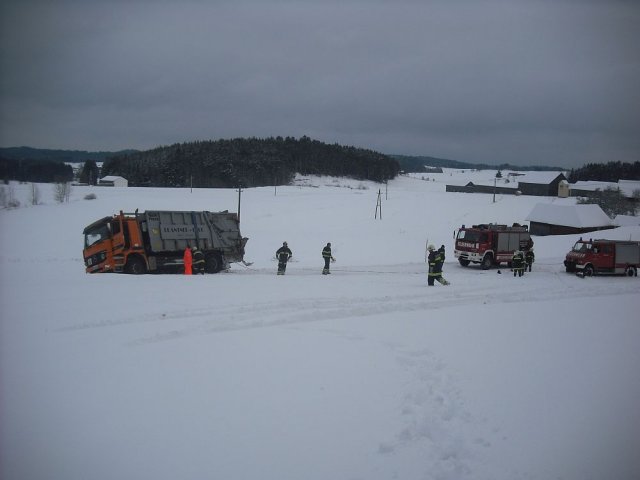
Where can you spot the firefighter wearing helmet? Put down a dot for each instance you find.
(517, 263)
(436, 260)
(283, 254)
(198, 260)
(432, 265)
(326, 255)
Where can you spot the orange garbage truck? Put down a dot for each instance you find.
(155, 240)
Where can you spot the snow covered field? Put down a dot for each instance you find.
(364, 374)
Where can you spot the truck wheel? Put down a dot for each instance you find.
(464, 262)
(631, 272)
(135, 266)
(487, 261)
(588, 271)
(213, 264)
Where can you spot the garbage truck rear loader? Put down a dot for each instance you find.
(155, 240)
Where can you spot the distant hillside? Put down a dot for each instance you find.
(606, 172)
(249, 162)
(417, 164)
(70, 156)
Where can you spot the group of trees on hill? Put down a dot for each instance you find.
(39, 171)
(419, 164)
(606, 172)
(248, 162)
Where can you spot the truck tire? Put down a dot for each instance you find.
(464, 262)
(589, 271)
(213, 263)
(631, 271)
(135, 266)
(487, 261)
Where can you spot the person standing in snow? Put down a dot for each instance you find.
(326, 254)
(188, 259)
(198, 260)
(432, 265)
(283, 254)
(439, 265)
(436, 260)
(529, 258)
(517, 263)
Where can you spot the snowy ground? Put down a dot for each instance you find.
(363, 374)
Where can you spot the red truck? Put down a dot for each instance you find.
(490, 244)
(613, 257)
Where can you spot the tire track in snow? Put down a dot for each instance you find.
(177, 324)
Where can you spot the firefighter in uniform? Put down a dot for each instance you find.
(198, 261)
(283, 254)
(432, 259)
(529, 258)
(436, 260)
(439, 264)
(326, 254)
(517, 262)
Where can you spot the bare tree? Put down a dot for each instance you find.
(611, 200)
(35, 194)
(61, 192)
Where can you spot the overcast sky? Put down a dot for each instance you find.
(553, 82)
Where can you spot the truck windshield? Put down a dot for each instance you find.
(97, 234)
(472, 236)
(581, 247)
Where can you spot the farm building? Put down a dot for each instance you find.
(550, 219)
(113, 181)
(585, 188)
(541, 184)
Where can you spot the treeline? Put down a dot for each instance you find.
(417, 164)
(248, 162)
(52, 155)
(39, 171)
(606, 172)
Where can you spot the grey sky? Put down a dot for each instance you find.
(555, 82)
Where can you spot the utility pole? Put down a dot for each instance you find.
(239, 196)
(494, 189)
(379, 204)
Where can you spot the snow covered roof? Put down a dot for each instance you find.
(578, 216)
(112, 178)
(543, 178)
(626, 221)
(593, 185)
(627, 187)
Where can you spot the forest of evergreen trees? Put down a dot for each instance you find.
(606, 172)
(30, 170)
(248, 162)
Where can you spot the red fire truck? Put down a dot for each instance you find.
(614, 257)
(490, 244)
